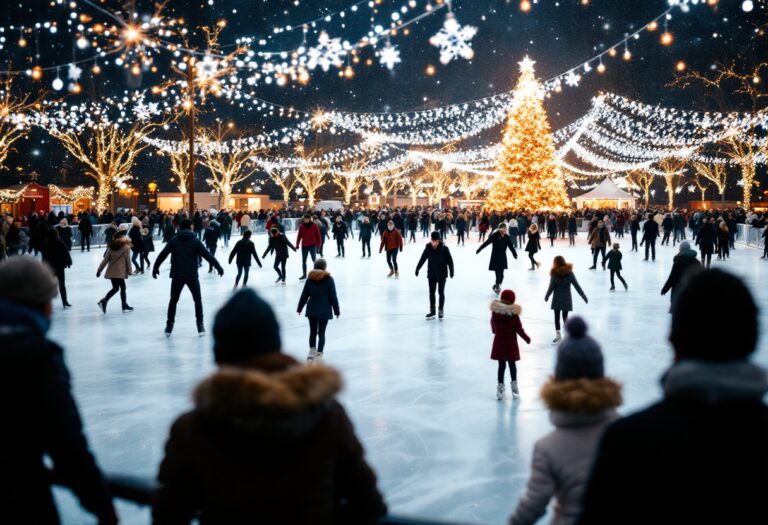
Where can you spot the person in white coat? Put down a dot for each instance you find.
(582, 402)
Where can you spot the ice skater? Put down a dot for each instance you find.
(211, 239)
(560, 281)
(392, 240)
(308, 239)
(244, 249)
(533, 245)
(599, 239)
(650, 234)
(55, 253)
(501, 242)
(614, 266)
(506, 326)
(634, 226)
(439, 267)
(147, 246)
(684, 262)
(572, 229)
(279, 244)
(461, 227)
(551, 229)
(184, 249)
(340, 233)
(319, 296)
(366, 230)
(705, 238)
(117, 259)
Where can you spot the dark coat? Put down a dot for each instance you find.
(534, 242)
(650, 229)
(572, 227)
(506, 326)
(340, 231)
(499, 251)
(109, 232)
(254, 438)
(211, 236)
(706, 239)
(85, 227)
(614, 259)
(365, 231)
(244, 249)
(184, 250)
(65, 234)
(696, 457)
(147, 243)
(551, 228)
(279, 245)
(40, 418)
(137, 242)
(560, 290)
(319, 295)
(56, 254)
(683, 263)
(439, 262)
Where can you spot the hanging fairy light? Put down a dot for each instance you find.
(525, 6)
(58, 83)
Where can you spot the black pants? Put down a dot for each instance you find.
(392, 259)
(665, 239)
(439, 286)
(242, 270)
(552, 237)
(425, 230)
(85, 242)
(481, 237)
(617, 273)
(117, 285)
(412, 235)
(533, 261)
(571, 238)
(722, 250)
(512, 371)
(317, 333)
(460, 238)
(598, 250)
(557, 318)
(634, 239)
(366, 243)
(706, 259)
(137, 255)
(177, 285)
(145, 258)
(499, 276)
(650, 244)
(62, 285)
(340, 247)
(312, 251)
(279, 267)
(211, 249)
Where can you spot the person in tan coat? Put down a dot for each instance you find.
(117, 260)
(599, 239)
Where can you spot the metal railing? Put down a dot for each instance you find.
(140, 490)
(746, 234)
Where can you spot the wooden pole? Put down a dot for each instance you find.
(191, 98)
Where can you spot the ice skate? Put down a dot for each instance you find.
(168, 329)
(440, 315)
(391, 273)
(558, 337)
(318, 358)
(200, 330)
(496, 288)
(102, 306)
(397, 275)
(626, 287)
(312, 355)
(278, 280)
(515, 391)
(500, 391)
(430, 316)
(127, 307)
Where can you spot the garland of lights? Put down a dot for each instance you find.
(72, 196)
(12, 196)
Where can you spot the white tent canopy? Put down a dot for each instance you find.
(606, 195)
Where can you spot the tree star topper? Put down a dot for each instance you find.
(454, 40)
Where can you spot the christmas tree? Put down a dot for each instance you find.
(528, 173)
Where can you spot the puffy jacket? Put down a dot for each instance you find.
(184, 249)
(439, 261)
(244, 249)
(279, 244)
(319, 295)
(392, 240)
(308, 236)
(117, 259)
(56, 254)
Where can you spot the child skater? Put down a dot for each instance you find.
(279, 244)
(506, 326)
(614, 265)
(244, 249)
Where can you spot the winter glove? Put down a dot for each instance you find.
(417, 273)
(451, 276)
(477, 251)
(155, 274)
(221, 272)
(98, 274)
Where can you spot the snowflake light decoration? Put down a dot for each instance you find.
(389, 55)
(328, 52)
(74, 72)
(572, 79)
(145, 111)
(454, 40)
(206, 68)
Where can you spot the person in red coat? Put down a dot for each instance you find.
(393, 241)
(506, 326)
(309, 240)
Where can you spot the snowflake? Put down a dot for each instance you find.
(145, 111)
(326, 53)
(389, 55)
(206, 68)
(454, 40)
(74, 72)
(572, 79)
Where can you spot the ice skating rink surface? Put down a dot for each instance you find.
(421, 394)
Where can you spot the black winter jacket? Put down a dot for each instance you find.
(319, 295)
(340, 231)
(439, 262)
(244, 249)
(683, 263)
(498, 252)
(279, 245)
(56, 254)
(650, 229)
(184, 249)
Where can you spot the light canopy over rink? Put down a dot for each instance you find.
(421, 394)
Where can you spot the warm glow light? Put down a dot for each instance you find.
(37, 73)
(430, 70)
(132, 34)
(612, 52)
(349, 72)
(666, 38)
(525, 6)
(303, 77)
(627, 55)
(22, 42)
(680, 66)
(136, 70)
(601, 68)
(653, 26)
(76, 88)
(95, 69)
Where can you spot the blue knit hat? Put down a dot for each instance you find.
(578, 355)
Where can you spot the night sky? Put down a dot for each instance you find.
(556, 34)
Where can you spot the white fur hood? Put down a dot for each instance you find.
(503, 308)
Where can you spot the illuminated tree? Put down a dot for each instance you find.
(436, 182)
(229, 165)
(744, 151)
(702, 184)
(351, 178)
(529, 174)
(415, 188)
(12, 111)
(715, 173)
(308, 173)
(107, 152)
(641, 180)
(179, 167)
(387, 184)
(285, 181)
(673, 177)
(469, 184)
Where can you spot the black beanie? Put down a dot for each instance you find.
(244, 327)
(435, 236)
(578, 355)
(714, 295)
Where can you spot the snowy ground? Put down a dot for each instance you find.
(421, 394)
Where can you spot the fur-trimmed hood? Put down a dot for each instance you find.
(120, 242)
(502, 308)
(318, 275)
(582, 396)
(276, 399)
(562, 271)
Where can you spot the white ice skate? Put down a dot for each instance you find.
(515, 391)
(557, 338)
(318, 358)
(312, 355)
(500, 391)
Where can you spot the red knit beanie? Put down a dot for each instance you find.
(508, 296)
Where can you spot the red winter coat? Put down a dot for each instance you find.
(392, 240)
(506, 325)
(309, 235)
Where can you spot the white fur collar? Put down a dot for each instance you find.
(503, 308)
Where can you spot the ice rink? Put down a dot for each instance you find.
(421, 394)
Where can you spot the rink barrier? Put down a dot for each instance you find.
(141, 491)
(746, 234)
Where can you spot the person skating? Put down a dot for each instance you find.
(650, 234)
(319, 296)
(561, 278)
(134, 234)
(500, 242)
(117, 260)
(439, 267)
(582, 402)
(533, 245)
(340, 233)
(551, 229)
(85, 227)
(211, 239)
(147, 246)
(244, 249)
(184, 249)
(706, 238)
(765, 244)
(55, 253)
(366, 230)
(614, 266)
(634, 227)
(506, 326)
(683, 263)
(572, 230)
(323, 226)
(667, 225)
(65, 234)
(279, 244)
(392, 240)
(461, 227)
(308, 239)
(723, 236)
(599, 239)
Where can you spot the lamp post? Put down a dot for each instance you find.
(152, 187)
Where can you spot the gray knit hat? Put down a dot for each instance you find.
(27, 281)
(578, 355)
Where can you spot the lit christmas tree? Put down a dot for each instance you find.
(529, 176)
